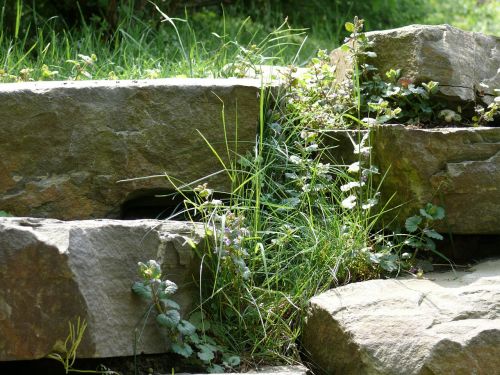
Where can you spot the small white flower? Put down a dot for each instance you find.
(312, 147)
(369, 121)
(361, 148)
(369, 204)
(354, 167)
(349, 202)
(368, 171)
(216, 202)
(323, 168)
(295, 159)
(351, 185)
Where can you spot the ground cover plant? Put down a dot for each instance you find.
(297, 222)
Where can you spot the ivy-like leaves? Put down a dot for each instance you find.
(412, 223)
(169, 319)
(142, 290)
(182, 349)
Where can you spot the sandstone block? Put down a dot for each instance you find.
(464, 63)
(52, 272)
(446, 324)
(64, 145)
(457, 168)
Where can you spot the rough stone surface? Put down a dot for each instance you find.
(274, 370)
(64, 145)
(461, 61)
(445, 324)
(53, 271)
(458, 168)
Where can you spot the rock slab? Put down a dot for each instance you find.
(464, 63)
(445, 324)
(64, 145)
(52, 272)
(457, 168)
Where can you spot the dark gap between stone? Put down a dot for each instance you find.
(160, 204)
(154, 364)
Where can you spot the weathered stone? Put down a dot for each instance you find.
(52, 272)
(274, 370)
(64, 145)
(448, 323)
(461, 61)
(457, 168)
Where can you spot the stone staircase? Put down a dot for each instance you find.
(73, 154)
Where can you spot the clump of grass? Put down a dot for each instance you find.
(160, 47)
(297, 221)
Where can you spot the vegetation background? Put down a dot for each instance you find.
(44, 39)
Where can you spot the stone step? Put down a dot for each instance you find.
(272, 370)
(446, 323)
(52, 272)
(65, 145)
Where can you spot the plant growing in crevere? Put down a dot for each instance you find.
(183, 334)
(65, 352)
(422, 236)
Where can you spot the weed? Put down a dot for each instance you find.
(65, 353)
(188, 337)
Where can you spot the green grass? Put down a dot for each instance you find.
(139, 48)
(201, 44)
(286, 233)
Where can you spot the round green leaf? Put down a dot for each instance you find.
(170, 319)
(186, 328)
(168, 303)
(411, 224)
(349, 26)
(142, 290)
(183, 349)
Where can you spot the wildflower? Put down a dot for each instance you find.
(295, 159)
(349, 202)
(361, 148)
(322, 169)
(369, 204)
(354, 167)
(368, 171)
(351, 185)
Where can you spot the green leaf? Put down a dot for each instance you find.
(349, 26)
(168, 303)
(411, 224)
(194, 338)
(345, 48)
(414, 242)
(5, 214)
(430, 244)
(231, 361)
(215, 369)
(438, 213)
(170, 319)
(183, 349)
(142, 290)
(432, 234)
(199, 321)
(206, 353)
(186, 328)
(425, 214)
